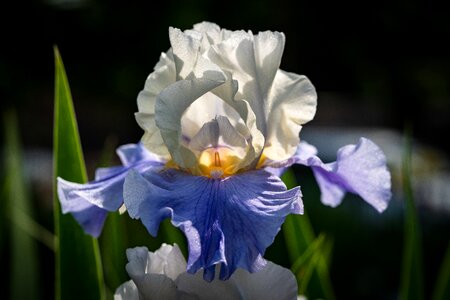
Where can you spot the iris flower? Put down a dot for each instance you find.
(221, 123)
(162, 275)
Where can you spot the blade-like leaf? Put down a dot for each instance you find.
(78, 265)
(114, 246)
(24, 279)
(442, 289)
(411, 281)
(299, 236)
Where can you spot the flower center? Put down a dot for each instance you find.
(218, 162)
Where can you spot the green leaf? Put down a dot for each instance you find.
(411, 281)
(114, 245)
(442, 289)
(24, 277)
(313, 278)
(78, 265)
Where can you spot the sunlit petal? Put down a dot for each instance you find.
(360, 169)
(292, 102)
(127, 291)
(163, 75)
(90, 202)
(222, 219)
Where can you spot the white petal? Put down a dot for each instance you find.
(148, 271)
(185, 51)
(207, 136)
(194, 286)
(269, 47)
(170, 106)
(253, 61)
(163, 76)
(203, 110)
(219, 132)
(127, 291)
(176, 263)
(137, 261)
(189, 63)
(249, 130)
(211, 34)
(230, 136)
(152, 138)
(156, 286)
(272, 282)
(293, 101)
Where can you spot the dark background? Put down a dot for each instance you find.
(389, 61)
(374, 64)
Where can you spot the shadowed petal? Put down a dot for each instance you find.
(90, 202)
(127, 291)
(154, 273)
(91, 219)
(359, 169)
(230, 221)
(171, 103)
(272, 282)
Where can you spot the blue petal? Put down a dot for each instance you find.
(229, 221)
(91, 219)
(90, 202)
(359, 169)
(131, 154)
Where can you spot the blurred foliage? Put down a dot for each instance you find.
(387, 63)
(24, 266)
(79, 273)
(412, 271)
(398, 69)
(442, 288)
(309, 256)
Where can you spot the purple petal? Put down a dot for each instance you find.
(91, 219)
(131, 154)
(229, 221)
(90, 202)
(360, 169)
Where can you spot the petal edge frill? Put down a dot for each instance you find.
(90, 202)
(229, 221)
(360, 169)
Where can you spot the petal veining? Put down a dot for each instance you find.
(229, 221)
(359, 169)
(90, 202)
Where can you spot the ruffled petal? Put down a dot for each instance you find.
(360, 169)
(90, 202)
(170, 106)
(292, 102)
(272, 282)
(189, 62)
(253, 61)
(163, 75)
(147, 272)
(167, 260)
(229, 221)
